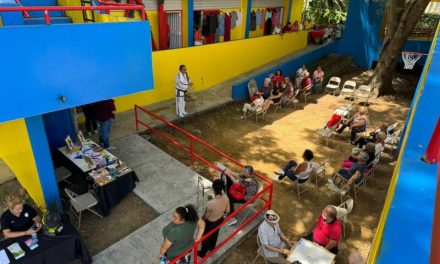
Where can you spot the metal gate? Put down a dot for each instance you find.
(175, 24)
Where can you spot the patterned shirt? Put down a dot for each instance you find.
(270, 235)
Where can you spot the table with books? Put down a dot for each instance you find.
(110, 178)
(63, 248)
(307, 252)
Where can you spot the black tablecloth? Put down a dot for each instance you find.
(112, 193)
(64, 248)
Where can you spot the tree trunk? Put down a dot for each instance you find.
(399, 24)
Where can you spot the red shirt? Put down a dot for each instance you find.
(103, 110)
(306, 82)
(325, 232)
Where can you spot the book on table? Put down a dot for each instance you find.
(4, 259)
(16, 250)
(31, 243)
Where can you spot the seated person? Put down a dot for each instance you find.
(358, 123)
(278, 77)
(308, 24)
(306, 83)
(287, 27)
(296, 172)
(318, 77)
(354, 174)
(266, 89)
(362, 141)
(277, 29)
(295, 26)
(247, 181)
(299, 75)
(275, 245)
(256, 101)
(380, 142)
(328, 230)
(20, 219)
(288, 91)
(370, 149)
(275, 95)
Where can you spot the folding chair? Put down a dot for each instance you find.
(333, 85)
(202, 190)
(392, 142)
(362, 94)
(261, 111)
(306, 186)
(342, 211)
(81, 203)
(318, 171)
(260, 252)
(252, 87)
(348, 88)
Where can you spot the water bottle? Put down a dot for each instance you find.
(163, 260)
(34, 238)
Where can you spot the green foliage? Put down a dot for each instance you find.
(326, 11)
(428, 21)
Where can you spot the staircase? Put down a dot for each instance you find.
(37, 17)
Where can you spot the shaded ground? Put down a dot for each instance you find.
(284, 135)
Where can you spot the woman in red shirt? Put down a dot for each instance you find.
(278, 77)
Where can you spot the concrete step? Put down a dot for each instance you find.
(41, 21)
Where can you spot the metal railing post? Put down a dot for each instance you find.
(196, 246)
(46, 17)
(191, 150)
(136, 117)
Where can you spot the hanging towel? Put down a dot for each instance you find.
(227, 28)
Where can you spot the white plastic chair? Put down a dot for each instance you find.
(81, 203)
(333, 85)
(252, 87)
(363, 93)
(342, 211)
(348, 88)
(260, 252)
(307, 186)
(261, 111)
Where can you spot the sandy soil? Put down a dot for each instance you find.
(270, 143)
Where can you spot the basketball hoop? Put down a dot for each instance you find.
(410, 59)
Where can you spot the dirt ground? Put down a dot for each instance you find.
(270, 143)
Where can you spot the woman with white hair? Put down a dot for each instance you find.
(357, 123)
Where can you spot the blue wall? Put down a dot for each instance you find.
(10, 18)
(361, 36)
(240, 90)
(84, 63)
(407, 234)
(58, 125)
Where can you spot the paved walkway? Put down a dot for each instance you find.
(164, 184)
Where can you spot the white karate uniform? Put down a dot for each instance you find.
(181, 85)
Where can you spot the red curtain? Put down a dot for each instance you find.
(163, 27)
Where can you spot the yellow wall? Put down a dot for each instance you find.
(16, 152)
(297, 8)
(216, 63)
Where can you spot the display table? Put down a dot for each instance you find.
(308, 252)
(63, 248)
(111, 179)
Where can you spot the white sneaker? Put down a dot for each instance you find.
(233, 221)
(111, 148)
(279, 172)
(181, 115)
(330, 181)
(296, 101)
(276, 178)
(344, 191)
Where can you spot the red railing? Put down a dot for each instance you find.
(268, 189)
(46, 9)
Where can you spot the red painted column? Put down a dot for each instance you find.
(433, 155)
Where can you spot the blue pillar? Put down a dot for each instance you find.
(43, 160)
(289, 11)
(11, 18)
(248, 18)
(190, 9)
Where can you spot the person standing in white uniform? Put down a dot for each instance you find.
(182, 84)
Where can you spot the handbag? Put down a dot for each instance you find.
(237, 191)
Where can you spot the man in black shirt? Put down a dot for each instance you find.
(20, 219)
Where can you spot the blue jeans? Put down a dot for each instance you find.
(104, 132)
(289, 173)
